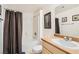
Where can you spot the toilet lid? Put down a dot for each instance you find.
(37, 48)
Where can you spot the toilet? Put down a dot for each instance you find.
(37, 49)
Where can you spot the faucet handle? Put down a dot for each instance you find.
(66, 38)
(70, 39)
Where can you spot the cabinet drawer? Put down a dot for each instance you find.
(45, 51)
(52, 48)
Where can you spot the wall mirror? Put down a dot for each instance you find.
(0, 9)
(71, 25)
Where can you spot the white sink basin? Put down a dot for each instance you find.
(67, 44)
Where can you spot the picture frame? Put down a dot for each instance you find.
(75, 17)
(64, 19)
(47, 20)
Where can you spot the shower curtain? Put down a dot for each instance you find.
(12, 36)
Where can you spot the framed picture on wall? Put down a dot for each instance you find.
(47, 21)
(75, 17)
(64, 19)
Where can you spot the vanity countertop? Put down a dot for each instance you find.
(49, 40)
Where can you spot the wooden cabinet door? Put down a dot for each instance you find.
(45, 51)
(52, 48)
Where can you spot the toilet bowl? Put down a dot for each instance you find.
(37, 49)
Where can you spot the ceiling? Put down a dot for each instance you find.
(34, 7)
(64, 7)
(25, 7)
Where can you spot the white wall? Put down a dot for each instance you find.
(27, 38)
(49, 32)
(70, 27)
(41, 24)
(1, 29)
(38, 26)
(1, 37)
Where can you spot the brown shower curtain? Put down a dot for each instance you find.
(12, 36)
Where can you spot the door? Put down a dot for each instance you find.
(57, 29)
(36, 27)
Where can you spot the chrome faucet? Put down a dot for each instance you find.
(66, 38)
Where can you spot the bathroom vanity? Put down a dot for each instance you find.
(50, 47)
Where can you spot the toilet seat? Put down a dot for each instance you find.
(37, 49)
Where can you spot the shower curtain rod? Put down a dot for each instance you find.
(11, 10)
